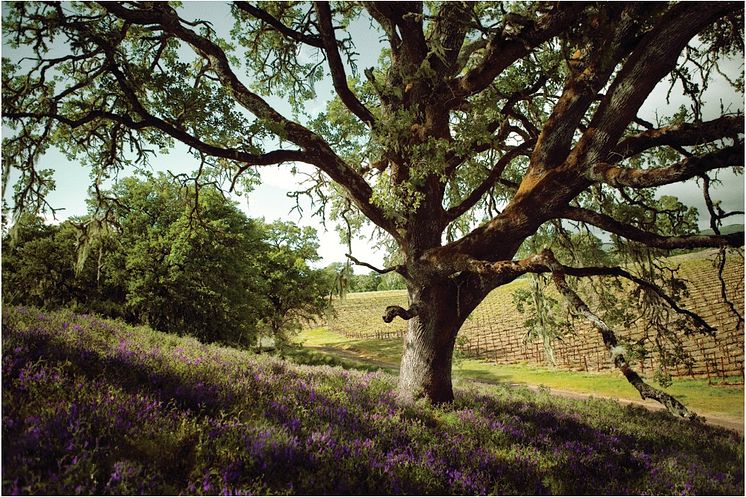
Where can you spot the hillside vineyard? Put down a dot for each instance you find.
(495, 330)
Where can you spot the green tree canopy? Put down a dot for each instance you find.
(188, 262)
(293, 292)
(174, 259)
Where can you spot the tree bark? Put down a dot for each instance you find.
(429, 342)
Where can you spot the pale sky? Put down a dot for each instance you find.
(270, 201)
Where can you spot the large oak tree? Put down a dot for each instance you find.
(481, 124)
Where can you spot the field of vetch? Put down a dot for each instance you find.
(92, 406)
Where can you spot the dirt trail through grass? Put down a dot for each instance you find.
(731, 423)
(340, 351)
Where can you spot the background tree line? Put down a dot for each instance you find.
(177, 258)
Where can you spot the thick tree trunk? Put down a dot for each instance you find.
(429, 342)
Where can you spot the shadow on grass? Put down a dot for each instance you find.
(480, 376)
(313, 358)
(530, 431)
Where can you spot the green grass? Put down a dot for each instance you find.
(96, 407)
(703, 398)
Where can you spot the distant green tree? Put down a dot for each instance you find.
(179, 259)
(391, 281)
(37, 270)
(365, 282)
(186, 259)
(339, 275)
(293, 292)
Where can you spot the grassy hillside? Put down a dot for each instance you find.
(723, 401)
(95, 407)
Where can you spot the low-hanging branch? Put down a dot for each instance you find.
(646, 391)
(619, 272)
(399, 269)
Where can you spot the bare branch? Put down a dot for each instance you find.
(393, 311)
(399, 268)
(655, 240)
(720, 262)
(489, 182)
(680, 171)
(336, 67)
(643, 283)
(312, 40)
(678, 135)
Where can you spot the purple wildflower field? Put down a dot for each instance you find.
(92, 406)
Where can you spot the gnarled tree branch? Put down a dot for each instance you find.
(654, 57)
(680, 171)
(336, 67)
(311, 40)
(398, 268)
(393, 311)
(502, 51)
(646, 391)
(608, 223)
(678, 135)
(318, 151)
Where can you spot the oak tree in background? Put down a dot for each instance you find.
(481, 123)
(39, 268)
(292, 292)
(187, 262)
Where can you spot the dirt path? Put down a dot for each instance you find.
(354, 356)
(730, 423)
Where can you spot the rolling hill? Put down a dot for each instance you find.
(92, 406)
